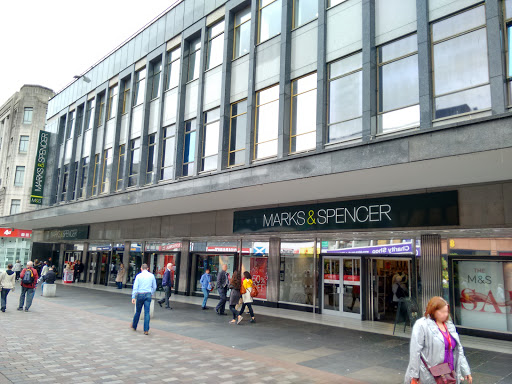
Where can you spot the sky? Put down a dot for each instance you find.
(47, 42)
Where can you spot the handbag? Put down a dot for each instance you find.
(441, 372)
(243, 290)
(254, 291)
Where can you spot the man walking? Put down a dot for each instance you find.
(77, 271)
(29, 278)
(167, 283)
(144, 287)
(222, 287)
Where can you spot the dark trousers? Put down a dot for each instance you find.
(4, 294)
(119, 284)
(18, 273)
(30, 295)
(142, 300)
(76, 276)
(168, 291)
(233, 311)
(248, 305)
(221, 306)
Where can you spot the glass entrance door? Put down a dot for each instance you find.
(342, 286)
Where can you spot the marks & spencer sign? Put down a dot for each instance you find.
(36, 197)
(80, 232)
(421, 210)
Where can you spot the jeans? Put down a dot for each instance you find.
(206, 293)
(4, 294)
(248, 305)
(233, 311)
(42, 287)
(119, 284)
(221, 307)
(30, 295)
(142, 299)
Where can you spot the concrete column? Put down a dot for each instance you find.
(495, 39)
(103, 124)
(273, 265)
(185, 271)
(369, 72)
(80, 149)
(126, 259)
(283, 148)
(424, 65)
(87, 266)
(200, 96)
(321, 91)
(62, 250)
(430, 268)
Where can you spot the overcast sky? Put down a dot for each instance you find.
(47, 42)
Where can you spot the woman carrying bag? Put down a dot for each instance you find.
(246, 290)
(235, 295)
(436, 354)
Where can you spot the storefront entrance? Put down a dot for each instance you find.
(341, 289)
(214, 263)
(390, 280)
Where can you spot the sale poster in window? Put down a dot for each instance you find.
(258, 272)
(484, 291)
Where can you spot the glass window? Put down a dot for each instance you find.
(83, 181)
(461, 65)
(168, 141)
(267, 121)
(75, 178)
(173, 68)
(79, 120)
(71, 124)
(23, 148)
(297, 278)
(120, 168)
(332, 3)
(345, 105)
(89, 115)
(96, 174)
(509, 61)
(398, 85)
(101, 110)
(15, 206)
(194, 59)
(134, 162)
(139, 87)
(189, 151)
(126, 95)
(19, 176)
(112, 102)
(215, 51)
(154, 79)
(303, 105)
(55, 197)
(65, 178)
(214, 263)
(237, 133)
(27, 115)
(210, 145)
(151, 158)
(304, 11)
(107, 169)
(269, 19)
(242, 33)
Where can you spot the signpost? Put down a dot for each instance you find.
(43, 142)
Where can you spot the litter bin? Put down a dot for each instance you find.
(68, 277)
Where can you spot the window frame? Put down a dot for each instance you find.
(126, 95)
(231, 117)
(19, 172)
(133, 149)
(25, 110)
(95, 188)
(203, 137)
(18, 204)
(185, 145)
(112, 92)
(151, 78)
(168, 66)
(136, 86)
(260, 8)
(507, 22)
(209, 42)
(65, 178)
(294, 22)
(254, 158)
(84, 164)
(105, 183)
(25, 143)
(292, 95)
(236, 27)
(151, 145)
(162, 160)
(101, 103)
(120, 159)
(194, 52)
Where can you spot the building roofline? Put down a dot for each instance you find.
(37, 86)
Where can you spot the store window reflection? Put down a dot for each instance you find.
(135, 262)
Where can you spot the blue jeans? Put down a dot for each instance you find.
(4, 294)
(206, 293)
(30, 295)
(42, 287)
(119, 284)
(142, 299)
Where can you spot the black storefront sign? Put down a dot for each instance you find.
(420, 210)
(80, 232)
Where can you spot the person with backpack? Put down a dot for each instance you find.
(248, 291)
(7, 282)
(29, 278)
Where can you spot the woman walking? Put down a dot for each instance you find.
(435, 347)
(120, 276)
(246, 297)
(235, 295)
(7, 282)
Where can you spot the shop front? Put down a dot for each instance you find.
(159, 255)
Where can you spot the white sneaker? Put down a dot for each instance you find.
(240, 318)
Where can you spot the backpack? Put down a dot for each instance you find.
(28, 277)
(254, 291)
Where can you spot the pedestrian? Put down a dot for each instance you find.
(435, 346)
(206, 286)
(120, 276)
(29, 278)
(48, 278)
(222, 288)
(246, 297)
(37, 266)
(44, 271)
(167, 284)
(144, 287)
(235, 295)
(17, 269)
(77, 270)
(7, 282)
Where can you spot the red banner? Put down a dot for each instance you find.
(10, 232)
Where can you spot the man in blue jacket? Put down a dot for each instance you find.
(167, 283)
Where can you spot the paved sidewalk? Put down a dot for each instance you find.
(83, 336)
